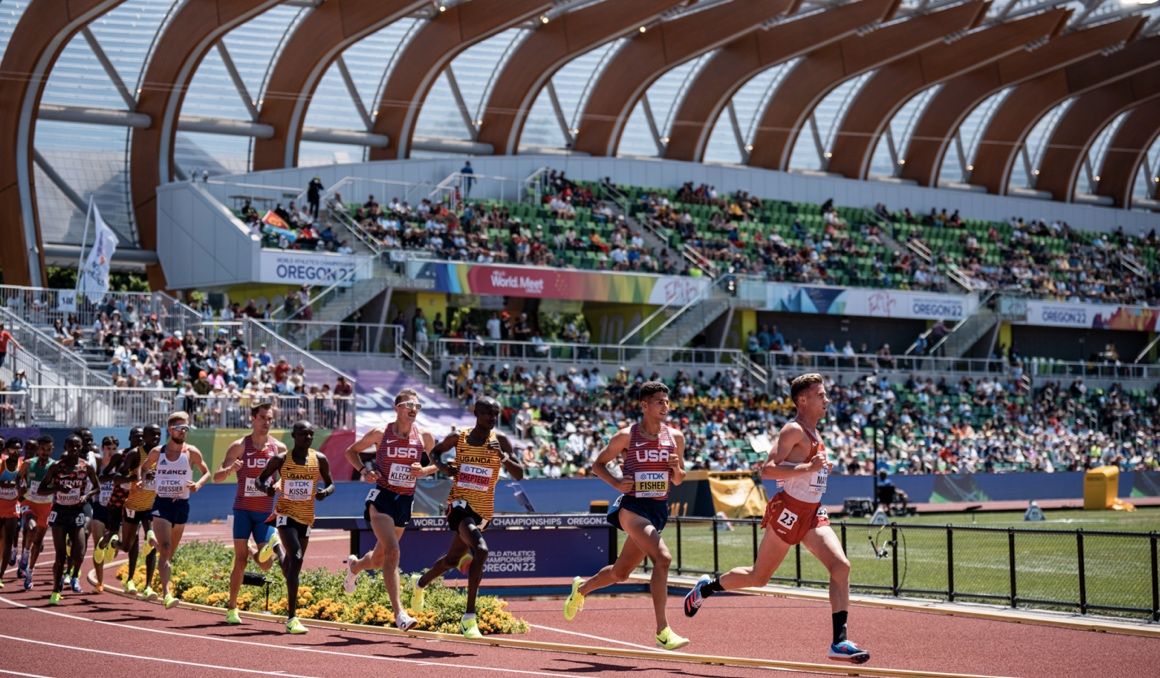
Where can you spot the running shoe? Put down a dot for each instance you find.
(150, 544)
(28, 579)
(1, 583)
(669, 640)
(847, 651)
(232, 617)
(147, 594)
(470, 627)
(464, 565)
(98, 554)
(405, 621)
(694, 599)
(417, 594)
(267, 549)
(76, 585)
(110, 552)
(130, 586)
(54, 599)
(575, 601)
(170, 601)
(350, 580)
(295, 627)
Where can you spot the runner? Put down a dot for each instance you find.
(98, 525)
(795, 515)
(138, 510)
(247, 457)
(66, 481)
(304, 476)
(114, 491)
(9, 505)
(479, 453)
(174, 462)
(654, 456)
(36, 506)
(92, 455)
(401, 456)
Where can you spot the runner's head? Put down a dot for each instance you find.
(72, 448)
(407, 405)
(809, 395)
(109, 446)
(262, 418)
(303, 435)
(85, 434)
(44, 445)
(12, 446)
(654, 400)
(178, 424)
(136, 435)
(31, 448)
(486, 413)
(151, 436)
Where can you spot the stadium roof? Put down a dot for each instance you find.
(109, 98)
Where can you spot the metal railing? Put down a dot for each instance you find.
(258, 333)
(233, 410)
(366, 269)
(85, 406)
(593, 355)
(355, 338)
(70, 367)
(458, 187)
(42, 306)
(1076, 570)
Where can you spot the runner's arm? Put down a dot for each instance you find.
(615, 447)
(198, 462)
(445, 445)
(267, 475)
(510, 461)
(48, 485)
(324, 470)
(94, 480)
(776, 467)
(232, 461)
(677, 461)
(425, 467)
(353, 454)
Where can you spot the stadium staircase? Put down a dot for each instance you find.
(969, 331)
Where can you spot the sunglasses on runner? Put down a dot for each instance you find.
(180, 428)
(410, 405)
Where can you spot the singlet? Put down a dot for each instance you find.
(394, 457)
(118, 492)
(646, 462)
(478, 474)
(250, 497)
(299, 482)
(107, 486)
(71, 486)
(141, 499)
(808, 487)
(9, 492)
(173, 475)
(36, 473)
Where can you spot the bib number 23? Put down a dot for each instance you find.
(787, 518)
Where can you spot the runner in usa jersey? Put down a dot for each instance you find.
(652, 458)
(795, 516)
(394, 457)
(248, 496)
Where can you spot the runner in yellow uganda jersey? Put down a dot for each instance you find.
(479, 454)
(304, 476)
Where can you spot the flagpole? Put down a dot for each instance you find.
(84, 240)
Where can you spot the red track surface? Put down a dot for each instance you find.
(112, 635)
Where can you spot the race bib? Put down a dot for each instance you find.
(171, 488)
(106, 493)
(149, 484)
(818, 482)
(70, 498)
(298, 490)
(401, 475)
(8, 493)
(472, 477)
(787, 518)
(373, 494)
(459, 504)
(34, 490)
(130, 514)
(252, 489)
(651, 484)
(281, 521)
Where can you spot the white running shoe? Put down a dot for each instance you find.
(350, 580)
(405, 621)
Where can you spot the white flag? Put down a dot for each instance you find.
(94, 282)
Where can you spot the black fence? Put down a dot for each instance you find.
(1075, 570)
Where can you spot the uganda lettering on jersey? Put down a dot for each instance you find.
(393, 459)
(478, 473)
(646, 462)
(249, 496)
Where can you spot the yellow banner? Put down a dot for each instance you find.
(736, 495)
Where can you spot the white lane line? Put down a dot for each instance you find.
(288, 648)
(592, 637)
(61, 647)
(10, 672)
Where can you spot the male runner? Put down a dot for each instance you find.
(401, 456)
(138, 510)
(66, 482)
(91, 455)
(479, 453)
(9, 503)
(99, 524)
(110, 506)
(304, 476)
(795, 515)
(654, 458)
(37, 506)
(174, 462)
(247, 457)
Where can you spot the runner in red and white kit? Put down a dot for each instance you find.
(247, 457)
(400, 458)
(795, 515)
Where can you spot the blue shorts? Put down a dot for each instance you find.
(173, 511)
(655, 510)
(254, 523)
(388, 503)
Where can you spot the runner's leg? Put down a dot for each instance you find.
(470, 534)
(293, 553)
(648, 538)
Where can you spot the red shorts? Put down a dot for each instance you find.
(40, 512)
(791, 519)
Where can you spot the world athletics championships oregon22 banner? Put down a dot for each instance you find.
(555, 283)
(1092, 316)
(873, 303)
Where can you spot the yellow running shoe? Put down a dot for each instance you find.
(232, 617)
(295, 627)
(575, 600)
(130, 586)
(147, 594)
(150, 544)
(98, 555)
(669, 640)
(54, 599)
(170, 601)
(470, 627)
(417, 594)
(267, 549)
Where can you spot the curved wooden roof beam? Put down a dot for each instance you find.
(1126, 153)
(951, 105)
(43, 32)
(816, 75)
(736, 63)
(647, 56)
(546, 51)
(1084, 120)
(1025, 106)
(432, 48)
(317, 41)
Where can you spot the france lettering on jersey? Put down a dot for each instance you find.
(394, 457)
(249, 496)
(646, 462)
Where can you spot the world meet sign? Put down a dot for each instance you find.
(309, 268)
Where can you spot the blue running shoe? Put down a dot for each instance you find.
(847, 651)
(694, 599)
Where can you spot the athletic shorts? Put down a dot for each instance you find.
(458, 511)
(173, 511)
(139, 516)
(39, 511)
(656, 511)
(67, 517)
(389, 503)
(791, 519)
(101, 514)
(288, 523)
(254, 523)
